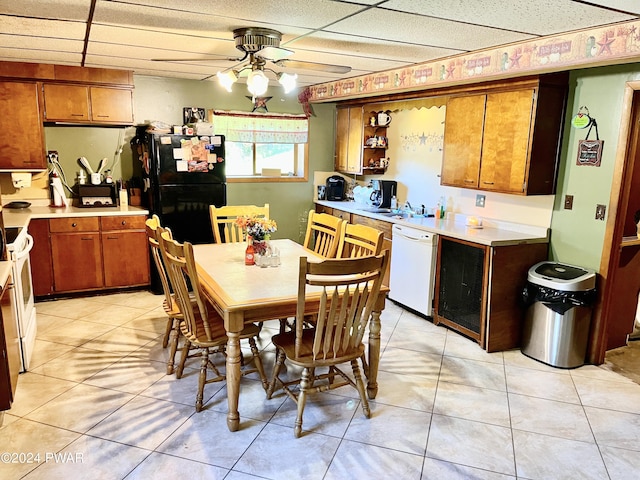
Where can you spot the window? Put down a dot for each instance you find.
(264, 145)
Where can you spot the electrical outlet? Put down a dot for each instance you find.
(600, 211)
(480, 200)
(568, 202)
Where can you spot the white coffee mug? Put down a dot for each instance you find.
(95, 179)
(383, 119)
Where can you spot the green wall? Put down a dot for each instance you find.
(576, 236)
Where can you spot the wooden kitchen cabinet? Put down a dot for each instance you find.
(22, 139)
(124, 242)
(478, 290)
(349, 138)
(385, 228)
(87, 104)
(41, 259)
(506, 140)
(76, 253)
(89, 253)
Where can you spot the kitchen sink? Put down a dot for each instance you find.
(376, 210)
(395, 214)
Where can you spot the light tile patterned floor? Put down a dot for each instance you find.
(98, 397)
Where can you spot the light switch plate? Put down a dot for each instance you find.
(480, 200)
(568, 202)
(600, 211)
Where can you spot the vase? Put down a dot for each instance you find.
(260, 246)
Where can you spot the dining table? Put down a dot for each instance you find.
(244, 294)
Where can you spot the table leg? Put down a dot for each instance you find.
(233, 380)
(374, 354)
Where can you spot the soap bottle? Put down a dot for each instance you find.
(442, 207)
(394, 202)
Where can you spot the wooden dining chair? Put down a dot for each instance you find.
(202, 327)
(223, 220)
(323, 234)
(172, 332)
(349, 289)
(359, 241)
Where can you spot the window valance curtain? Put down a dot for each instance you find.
(261, 127)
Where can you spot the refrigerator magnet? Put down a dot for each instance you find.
(182, 166)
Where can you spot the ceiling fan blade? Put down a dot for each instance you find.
(193, 59)
(273, 53)
(324, 67)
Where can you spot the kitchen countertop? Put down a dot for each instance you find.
(40, 209)
(493, 233)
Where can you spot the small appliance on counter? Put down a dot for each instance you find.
(103, 195)
(335, 188)
(383, 191)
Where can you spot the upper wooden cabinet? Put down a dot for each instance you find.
(349, 131)
(506, 140)
(87, 104)
(22, 139)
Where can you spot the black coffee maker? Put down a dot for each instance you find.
(383, 190)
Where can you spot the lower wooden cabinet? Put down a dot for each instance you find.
(384, 227)
(123, 241)
(41, 261)
(9, 349)
(89, 253)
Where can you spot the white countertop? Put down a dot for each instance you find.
(40, 209)
(492, 233)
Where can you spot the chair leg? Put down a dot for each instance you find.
(360, 386)
(280, 356)
(183, 358)
(302, 398)
(167, 332)
(204, 361)
(365, 365)
(258, 361)
(173, 347)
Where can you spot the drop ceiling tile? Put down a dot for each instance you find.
(174, 44)
(628, 6)
(419, 30)
(57, 9)
(540, 17)
(42, 28)
(40, 56)
(369, 48)
(244, 13)
(40, 43)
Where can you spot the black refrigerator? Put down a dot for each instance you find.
(182, 176)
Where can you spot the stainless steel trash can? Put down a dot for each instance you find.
(558, 317)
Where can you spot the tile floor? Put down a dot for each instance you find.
(98, 404)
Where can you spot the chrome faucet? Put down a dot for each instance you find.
(407, 206)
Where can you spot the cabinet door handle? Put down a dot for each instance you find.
(77, 114)
(87, 238)
(103, 116)
(74, 224)
(110, 237)
(124, 222)
(488, 183)
(466, 180)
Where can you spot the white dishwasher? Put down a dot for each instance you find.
(413, 260)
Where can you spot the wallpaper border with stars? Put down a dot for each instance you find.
(619, 43)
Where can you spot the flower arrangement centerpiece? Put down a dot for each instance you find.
(257, 230)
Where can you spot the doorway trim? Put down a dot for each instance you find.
(624, 163)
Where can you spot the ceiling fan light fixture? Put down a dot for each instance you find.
(227, 79)
(257, 83)
(288, 81)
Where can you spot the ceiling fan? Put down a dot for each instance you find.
(262, 45)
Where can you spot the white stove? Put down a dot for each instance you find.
(19, 244)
